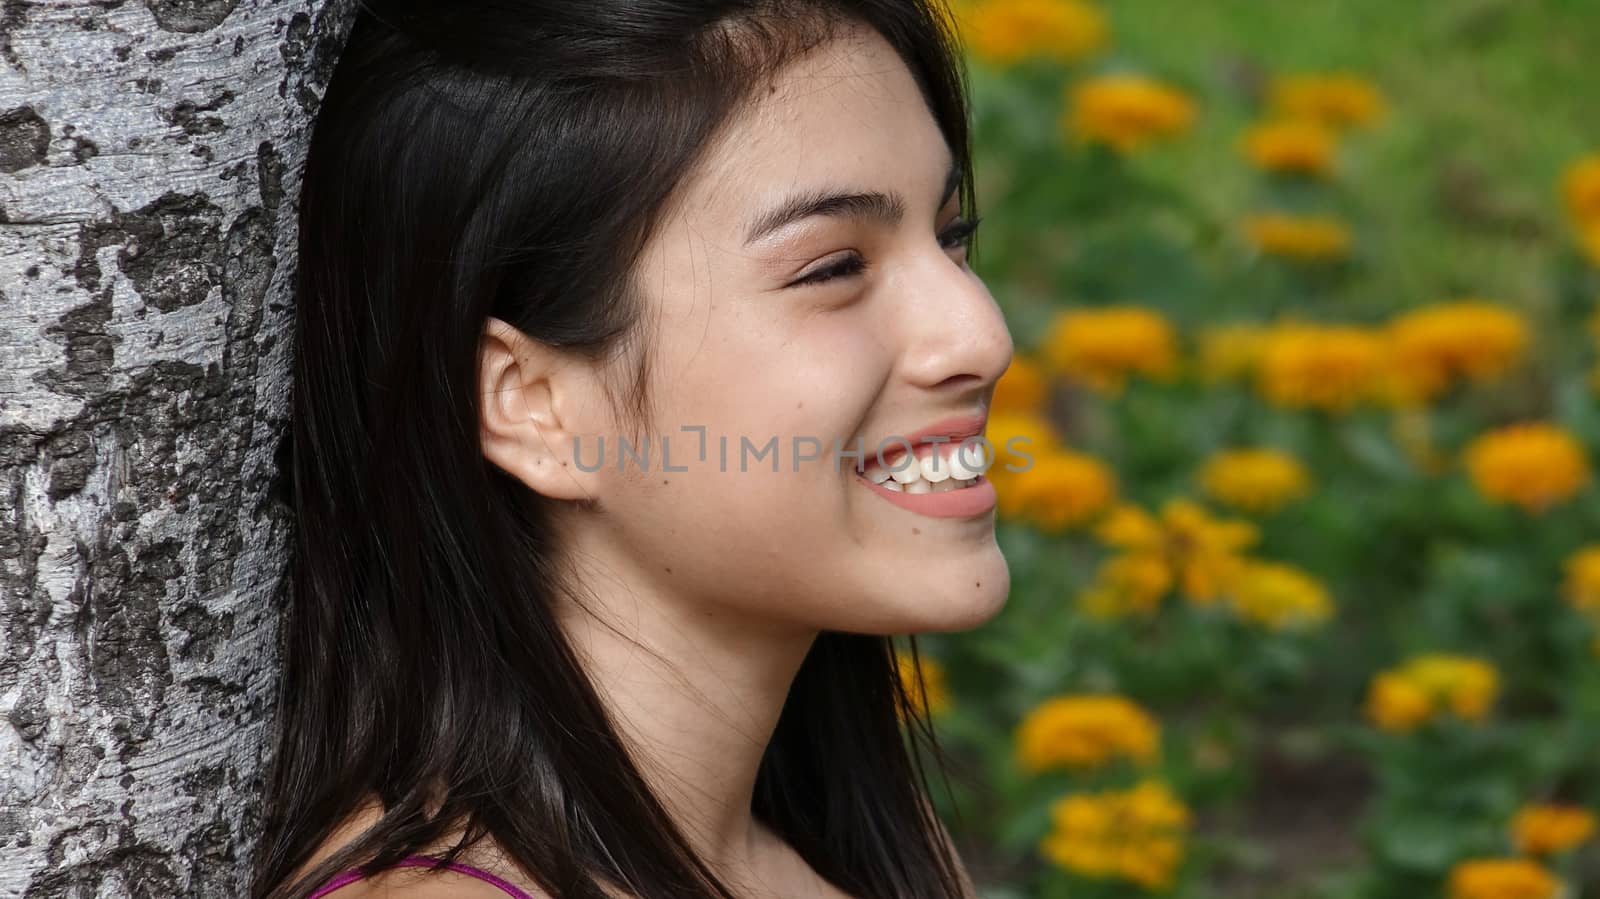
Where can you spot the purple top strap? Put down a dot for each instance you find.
(423, 861)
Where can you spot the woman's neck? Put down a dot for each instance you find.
(696, 691)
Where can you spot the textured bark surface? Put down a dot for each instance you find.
(147, 159)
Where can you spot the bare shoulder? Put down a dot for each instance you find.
(422, 883)
(417, 882)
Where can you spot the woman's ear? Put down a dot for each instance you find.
(532, 395)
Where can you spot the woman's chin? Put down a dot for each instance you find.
(959, 595)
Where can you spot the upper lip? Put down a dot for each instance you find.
(956, 428)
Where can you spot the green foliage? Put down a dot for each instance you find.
(1291, 788)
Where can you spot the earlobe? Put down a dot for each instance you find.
(524, 385)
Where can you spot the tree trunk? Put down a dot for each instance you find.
(148, 160)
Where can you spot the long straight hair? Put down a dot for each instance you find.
(511, 158)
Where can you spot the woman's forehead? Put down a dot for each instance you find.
(846, 115)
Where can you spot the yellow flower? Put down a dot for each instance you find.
(1328, 367)
(1129, 584)
(1102, 347)
(1060, 489)
(1256, 480)
(1533, 465)
(1336, 99)
(1582, 584)
(1231, 351)
(1545, 829)
(1430, 685)
(1432, 347)
(1005, 32)
(1019, 439)
(1086, 731)
(1022, 388)
(1396, 703)
(1281, 597)
(1131, 528)
(1290, 146)
(1304, 238)
(1019, 434)
(1503, 878)
(1202, 554)
(1128, 112)
(935, 698)
(1136, 835)
(1581, 188)
(1465, 686)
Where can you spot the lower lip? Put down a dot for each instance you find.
(966, 502)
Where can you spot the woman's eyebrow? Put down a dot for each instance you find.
(885, 208)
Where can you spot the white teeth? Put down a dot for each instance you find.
(968, 462)
(908, 471)
(957, 467)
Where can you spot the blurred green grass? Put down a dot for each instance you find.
(1489, 100)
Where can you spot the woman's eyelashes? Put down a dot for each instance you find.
(958, 235)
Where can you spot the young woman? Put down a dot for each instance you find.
(585, 602)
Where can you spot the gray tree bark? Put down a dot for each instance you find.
(148, 159)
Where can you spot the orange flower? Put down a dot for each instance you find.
(1202, 554)
(1304, 238)
(1280, 597)
(1580, 187)
(1102, 347)
(1329, 367)
(1534, 465)
(1086, 731)
(1005, 32)
(1542, 829)
(1290, 146)
(1022, 388)
(1435, 346)
(1582, 583)
(1136, 835)
(1127, 112)
(1336, 99)
(1061, 489)
(1256, 479)
(1130, 584)
(1430, 685)
(1503, 878)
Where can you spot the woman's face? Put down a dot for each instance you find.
(905, 341)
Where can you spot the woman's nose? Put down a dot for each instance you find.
(957, 338)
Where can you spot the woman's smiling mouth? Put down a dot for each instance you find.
(975, 497)
(942, 479)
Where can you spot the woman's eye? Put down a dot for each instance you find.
(959, 234)
(852, 265)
